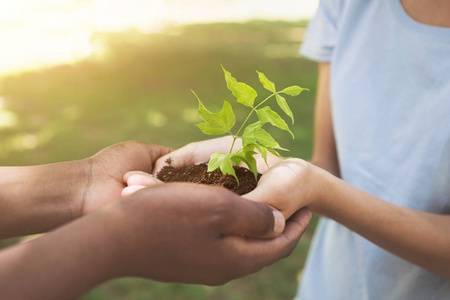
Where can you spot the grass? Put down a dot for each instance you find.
(139, 88)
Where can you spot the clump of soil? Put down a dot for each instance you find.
(199, 174)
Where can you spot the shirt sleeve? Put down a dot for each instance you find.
(321, 35)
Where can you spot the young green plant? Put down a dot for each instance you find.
(254, 137)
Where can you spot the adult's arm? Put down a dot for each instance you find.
(174, 233)
(37, 199)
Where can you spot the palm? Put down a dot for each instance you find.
(109, 166)
(200, 152)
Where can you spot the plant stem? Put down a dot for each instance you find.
(232, 145)
(236, 136)
(264, 100)
(253, 109)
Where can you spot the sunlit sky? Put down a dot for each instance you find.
(38, 33)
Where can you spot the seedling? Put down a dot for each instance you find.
(253, 136)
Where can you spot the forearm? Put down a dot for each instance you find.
(39, 198)
(328, 164)
(62, 264)
(419, 237)
(325, 151)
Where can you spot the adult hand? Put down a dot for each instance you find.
(107, 168)
(200, 234)
(173, 232)
(289, 185)
(200, 152)
(36, 199)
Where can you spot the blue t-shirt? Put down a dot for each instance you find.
(390, 95)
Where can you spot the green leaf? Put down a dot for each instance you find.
(263, 151)
(267, 115)
(265, 139)
(216, 123)
(246, 156)
(215, 161)
(284, 106)
(271, 150)
(227, 167)
(249, 160)
(267, 84)
(223, 162)
(244, 93)
(248, 137)
(294, 90)
(254, 133)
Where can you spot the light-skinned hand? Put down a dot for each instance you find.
(289, 186)
(200, 152)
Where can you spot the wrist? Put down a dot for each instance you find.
(327, 164)
(81, 174)
(67, 184)
(36, 199)
(322, 185)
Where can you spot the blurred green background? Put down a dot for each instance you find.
(139, 89)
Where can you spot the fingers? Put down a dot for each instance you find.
(265, 252)
(262, 194)
(140, 178)
(195, 153)
(284, 245)
(131, 190)
(157, 151)
(252, 219)
(297, 224)
(260, 253)
(266, 193)
(137, 180)
(271, 161)
(179, 158)
(200, 152)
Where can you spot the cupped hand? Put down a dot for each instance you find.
(188, 233)
(191, 154)
(137, 180)
(106, 169)
(288, 186)
(200, 152)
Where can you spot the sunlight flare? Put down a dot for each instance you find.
(36, 34)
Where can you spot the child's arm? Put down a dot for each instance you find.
(324, 152)
(419, 237)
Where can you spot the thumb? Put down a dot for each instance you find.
(195, 153)
(251, 219)
(264, 193)
(179, 158)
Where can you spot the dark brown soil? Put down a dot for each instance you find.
(199, 174)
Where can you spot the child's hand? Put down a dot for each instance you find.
(200, 152)
(288, 186)
(137, 180)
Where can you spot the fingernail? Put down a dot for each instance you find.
(279, 222)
